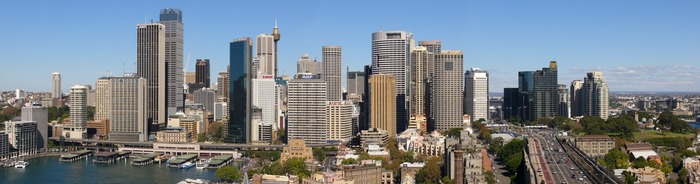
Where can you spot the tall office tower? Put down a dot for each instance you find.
(511, 105)
(525, 108)
(56, 85)
(546, 95)
(255, 71)
(190, 77)
(595, 95)
(222, 86)
(564, 102)
(476, 94)
(447, 90)
(264, 98)
(383, 105)
(40, 115)
(576, 98)
(434, 47)
(307, 65)
(277, 36)
(339, 118)
(174, 75)
(206, 97)
(365, 105)
(306, 115)
(78, 111)
(390, 55)
(332, 72)
(150, 64)
(419, 80)
(128, 118)
(265, 51)
(202, 75)
(241, 56)
(22, 135)
(356, 83)
(102, 99)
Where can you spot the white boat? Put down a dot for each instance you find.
(202, 164)
(21, 164)
(186, 165)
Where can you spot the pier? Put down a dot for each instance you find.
(144, 159)
(105, 157)
(219, 161)
(181, 159)
(75, 156)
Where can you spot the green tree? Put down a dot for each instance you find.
(430, 173)
(319, 154)
(683, 176)
(296, 166)
(616, 159)
(452, 132)
(624, 125)
(202, 137)
(628, 177)
(594, 125)
(447, 180)
(281, 136)
(496, 143)
(349, 161)
(639, 162)
(228, 173)
(490, 177)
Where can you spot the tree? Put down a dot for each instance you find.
(228, 173)
(624, 125)
(575, 127)
(594, 125)
(628, 177)
(349, 161)
(452, 132)
(447, 180)
(319, 154)
(202, 137)
(214, 131)
(683, 176)
(489, 177)
(639, 162)
(296, 166)
(281, 136)
(496, 143)
(430, 173)
(616, 159)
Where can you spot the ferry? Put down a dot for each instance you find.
(21, 164)
(202, 164)
(186, 165)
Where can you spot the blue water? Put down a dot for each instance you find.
(694, 125)
(50, 170)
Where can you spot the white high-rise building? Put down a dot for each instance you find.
(307, 65)
(264, 98)
(78, 113)
(23, 136)
(40, 115)
(56, 85)
(174, 46)
(476, 94)
(150, 64)
(595, 95)
(390, 55)
(339, 119)
(447, 90)
(102, 99)
(307, 109)
(128, 120)
(265, 51)
(332, 72)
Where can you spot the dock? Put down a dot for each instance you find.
(75, 156)
(219, 161)
(181, 159)
(144, 159)
(105, 157)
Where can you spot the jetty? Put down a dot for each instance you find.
(181, 159)
(75, 156)
(144, 159)
(219, 161)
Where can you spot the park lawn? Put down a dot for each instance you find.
(650, 134)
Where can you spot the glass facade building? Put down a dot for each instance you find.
(238, 127)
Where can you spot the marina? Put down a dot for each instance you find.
(182, 159)
(144, 159)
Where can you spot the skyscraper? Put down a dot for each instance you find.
(356, 83)
(546, 92)
(595, 95)
(307, 109)
(447, 90)
(78, 112)
(128, 120)
(277, 36)
(307, 65)
(390, 54)
(238, 127)
(419, 80)
(264, 98)
(174, 43)
(476, 94)
(202, 73)
(150, 64)
(206, 97)
(339, 120)
(56, 85)
(265, 51)
(222, 86)
(576, 98)
(332, 72)
(40, 115)
(434, 47)
(564, 102)
(383, 106)
(102, 99)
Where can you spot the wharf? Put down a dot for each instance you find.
(181, 159)
(219, 161)
(75, 156)
(144, 159)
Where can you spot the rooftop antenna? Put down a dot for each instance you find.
(145, 19)
(275, 22)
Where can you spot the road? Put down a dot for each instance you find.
(558, 164)
(499, 170)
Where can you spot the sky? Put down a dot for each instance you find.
(639, 45)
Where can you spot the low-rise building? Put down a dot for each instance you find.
(411, 169)
(373, 136)
(649, 175)
(274, 179)
(172, 134)
(595, 145)
(297, 149)
(98, 129)
(23, 135)
(366, 174)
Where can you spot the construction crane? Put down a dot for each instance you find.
(184, 72)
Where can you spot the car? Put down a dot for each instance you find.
(572, 168)
(580, 179)
(554, 172)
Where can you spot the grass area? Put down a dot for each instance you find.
(650, 134)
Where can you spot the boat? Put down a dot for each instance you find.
(21, 164)
(202, 164)
(186, 165)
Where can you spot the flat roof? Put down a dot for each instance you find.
(142, 159)
(186, 157)
(106, 154)
(82, 152)
(69, 155)
(222, 157)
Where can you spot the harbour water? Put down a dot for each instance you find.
(50, 170)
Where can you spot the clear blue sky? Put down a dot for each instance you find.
(640, 45)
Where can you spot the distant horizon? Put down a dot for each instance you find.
(639, 46)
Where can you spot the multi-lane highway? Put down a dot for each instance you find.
(557, 164)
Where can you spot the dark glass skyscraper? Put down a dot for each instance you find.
(238, 127)
(546, 92)
(202, 73)
(174, 75)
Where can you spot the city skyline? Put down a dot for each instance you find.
(630, 45)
